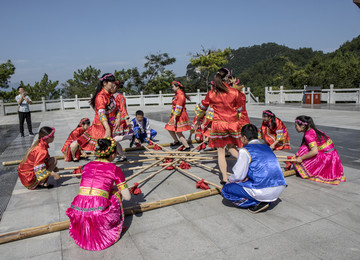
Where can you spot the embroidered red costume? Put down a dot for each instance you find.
(270, 135)
(226, 125)
(178, 111)
(121, 106)
(105, 110)
(74, 135)
(33, 170)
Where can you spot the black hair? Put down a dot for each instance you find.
(249, 131)
(102, 145)
(309, 123)
(219, 77)
(182, 88)
(110, 78)
(139, 113)
(44, 131)
(86, 122)
(19, 87)
(273, 118)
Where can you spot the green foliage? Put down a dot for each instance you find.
(156, 77)
(45, 88)
(131, 79)
(205, 63)
(83, 84)
(9, 96)
(6, 70)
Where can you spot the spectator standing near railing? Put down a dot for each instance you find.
(23, 101)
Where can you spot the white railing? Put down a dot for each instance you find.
(330, 96)
(131, 100)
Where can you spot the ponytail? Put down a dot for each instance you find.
(181, 87)
(308, 122)
(44, 131)
(107, 77)
(219, 78)
(272, 116)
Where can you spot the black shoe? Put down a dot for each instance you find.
(222, 183)
(175, 143)
(31, 134)
(186, 149)
(259, 207)
(132, 141)
(22, 135)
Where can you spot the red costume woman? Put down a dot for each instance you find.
(121, 105)
(274, 132)
(71, 149)
(226, 125)
(179, 120)
(37, 166)
(106, 114)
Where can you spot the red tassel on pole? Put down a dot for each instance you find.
(135, 190)
(78, 170)
(202, 185)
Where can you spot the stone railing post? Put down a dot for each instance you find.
(62, 103)
(331, 94)
(43, 105)
(142, 103)
(2, 108)
(266, 95)
(282, 97)
(248, 96)
(198, 96)
(160, 98)
(77, 104)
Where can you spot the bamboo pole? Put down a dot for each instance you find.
(287, 160)
(141, 171)
(196, 177)
(70, 175)
(176, 157)
(209, 168)
(283, 156)
(170, 152)
(59, 226)
(289, 173)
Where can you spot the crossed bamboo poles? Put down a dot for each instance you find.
(58, 226)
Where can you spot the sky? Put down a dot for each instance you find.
(60, 37)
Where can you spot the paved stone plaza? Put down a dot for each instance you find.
(309, 221)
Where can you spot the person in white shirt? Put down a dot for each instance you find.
(257, 177)
(24, 101)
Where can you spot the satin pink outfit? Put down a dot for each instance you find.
(96, 213)
(326, 166)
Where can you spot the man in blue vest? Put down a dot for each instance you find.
(141, 128)
(257, 177)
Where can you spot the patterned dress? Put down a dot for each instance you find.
(34, 169)
(278, 133)
(226, 125)
(105, 110)
(326, 166)
(179, 111)
(74, 135)
(96, 213)
(121, 106)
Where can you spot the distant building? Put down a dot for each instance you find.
(357, 2)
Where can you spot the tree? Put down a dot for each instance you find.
(45, 88)
(156, 77)
(6, 70)
(207, 62)
(131, 79)
(83, 84)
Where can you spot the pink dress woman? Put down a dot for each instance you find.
(326, 166)
(96, 213)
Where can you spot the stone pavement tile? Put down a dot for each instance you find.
(53, 256)
(32, 247)
(180, 241)
(29, 217)
(349, 218)
(22, 198)
(326, 239)
(295, 186)
(318, 202)
(351, 174)
(283, 215)
(349, 191)
(154, 219)
(275, 246)
(125, 248)
(200, 208)
(231, 228)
